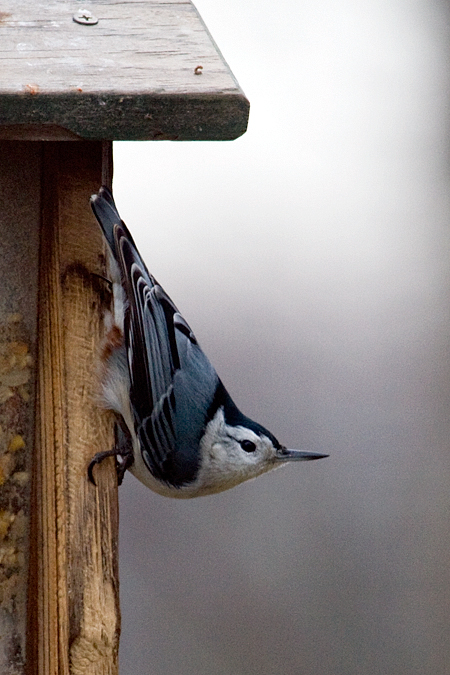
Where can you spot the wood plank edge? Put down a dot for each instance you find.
(139, 117)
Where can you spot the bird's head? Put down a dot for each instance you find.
(234, 453)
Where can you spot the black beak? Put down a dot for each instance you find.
(286, 455)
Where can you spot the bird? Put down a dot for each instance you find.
(178, 430)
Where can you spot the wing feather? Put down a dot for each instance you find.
(172, 381)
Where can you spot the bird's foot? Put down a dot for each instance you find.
(108, 282)
(122, 451)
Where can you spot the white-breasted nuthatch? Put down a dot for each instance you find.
(180, 432)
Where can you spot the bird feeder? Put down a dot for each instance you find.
(75, 77)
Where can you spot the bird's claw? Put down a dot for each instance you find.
(122, 451)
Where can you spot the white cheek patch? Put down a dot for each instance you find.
(218, 453)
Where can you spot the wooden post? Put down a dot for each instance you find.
(72, 621)
(73, 590)
(142, 70)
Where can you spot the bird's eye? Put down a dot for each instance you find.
(248, 446)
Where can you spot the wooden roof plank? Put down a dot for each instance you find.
(133, 76)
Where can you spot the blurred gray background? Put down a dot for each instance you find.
(311, 258)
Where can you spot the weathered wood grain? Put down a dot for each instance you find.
(73, 612)
(19, 244)
(130, 76)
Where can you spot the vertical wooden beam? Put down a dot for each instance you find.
(73, 614)
(20, 164)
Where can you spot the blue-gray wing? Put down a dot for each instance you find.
(172, 382)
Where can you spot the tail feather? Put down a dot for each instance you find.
(106, 212)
